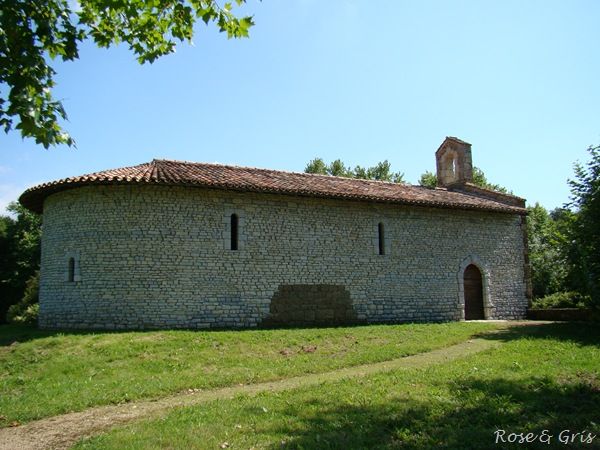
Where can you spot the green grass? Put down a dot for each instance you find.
(46, 373)
(544, 377)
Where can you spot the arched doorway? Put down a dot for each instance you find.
(473, 289)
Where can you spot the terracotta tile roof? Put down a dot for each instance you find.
(455, 139)
(180, 173)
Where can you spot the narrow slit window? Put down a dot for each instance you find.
(71, 270)
(380, 231)
(234, 231)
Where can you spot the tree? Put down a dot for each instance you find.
(585, 198)
(548, 252)
(381, 171)
(20, 246)
(26, 310)
(35, 32)
(567, 244)
(429, 179)
(317, 166)
(480, 180)
(338, 169)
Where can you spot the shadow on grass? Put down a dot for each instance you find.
(581, 333)
(10, 334)
(466, 416)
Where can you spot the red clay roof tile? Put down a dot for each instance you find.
(226, 177)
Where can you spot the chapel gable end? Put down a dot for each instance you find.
(455, 173)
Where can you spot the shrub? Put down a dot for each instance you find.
(26, 311)
(29, 316)
(562, 300)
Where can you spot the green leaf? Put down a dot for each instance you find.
(43, 31)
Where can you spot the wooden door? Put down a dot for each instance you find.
(473, 294)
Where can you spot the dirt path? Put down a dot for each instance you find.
(60, 432)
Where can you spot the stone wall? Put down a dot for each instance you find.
(310, 304)
(159, 256)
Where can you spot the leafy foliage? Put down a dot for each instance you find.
(382, 171)
(20, 247)
(567, 244)
(26, 311)
(585, 197)
(564, 245)
(480, 180)
(33, 32)
(429, 179)
(562, 300)
(548, 257)
(317, 166)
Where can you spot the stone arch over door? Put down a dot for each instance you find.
(488, 306)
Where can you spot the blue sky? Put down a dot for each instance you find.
(356, 80)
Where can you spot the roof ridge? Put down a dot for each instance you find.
(454, 138)
(233, 166)
(254, 179)
(84, 176)
(474, 186)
